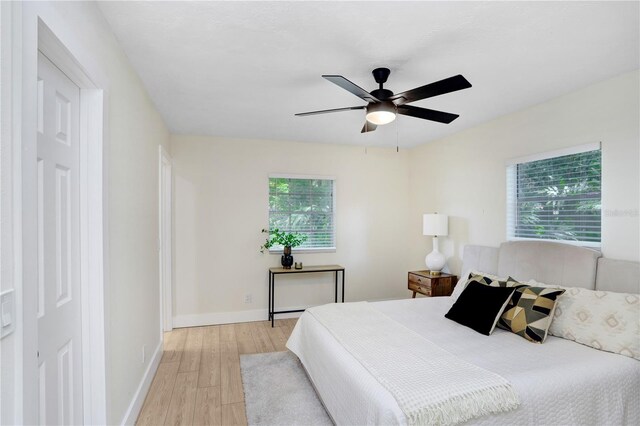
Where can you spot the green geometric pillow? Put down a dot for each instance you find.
(531, 313)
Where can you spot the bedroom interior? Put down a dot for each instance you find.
(458, 184)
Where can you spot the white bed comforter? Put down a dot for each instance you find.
(558, 383)
(445, 390)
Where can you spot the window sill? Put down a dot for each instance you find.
(588, 244)
(306, 250)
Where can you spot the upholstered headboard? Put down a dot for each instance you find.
(553, 263)
(479, 258)
(550, 263)
(618, 275)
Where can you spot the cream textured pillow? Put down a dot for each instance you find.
(601, 319)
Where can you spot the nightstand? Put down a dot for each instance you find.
(431, 285)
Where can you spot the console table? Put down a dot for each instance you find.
(306, 270)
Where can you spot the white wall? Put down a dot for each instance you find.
(464, 175)
(221, 204)
(133, 132)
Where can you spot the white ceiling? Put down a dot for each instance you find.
(242, 70)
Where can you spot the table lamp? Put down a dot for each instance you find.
(436, 225)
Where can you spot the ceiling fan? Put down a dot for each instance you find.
(383, 105)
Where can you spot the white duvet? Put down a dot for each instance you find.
(558, 383)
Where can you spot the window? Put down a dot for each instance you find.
(303, 205)
(556, 196)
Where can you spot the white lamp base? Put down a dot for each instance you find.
(435, 260)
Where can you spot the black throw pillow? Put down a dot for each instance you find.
(480, 306)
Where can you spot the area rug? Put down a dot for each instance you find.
(277, 391)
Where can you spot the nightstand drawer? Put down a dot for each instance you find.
(420, 288)
(431, 285)
(419, 280)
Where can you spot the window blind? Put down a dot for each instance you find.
(305, 206)
(557, 198)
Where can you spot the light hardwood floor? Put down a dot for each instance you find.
(198, 381)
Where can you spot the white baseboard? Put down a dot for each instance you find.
(384, 299)
(213, 318)
(133, 411)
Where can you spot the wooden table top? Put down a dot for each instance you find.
(312, 268)
(427, 274)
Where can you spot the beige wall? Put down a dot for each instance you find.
(221, 204)
(464, 175)
(136, 131)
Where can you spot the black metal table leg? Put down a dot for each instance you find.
(269, 318)
(272, 289)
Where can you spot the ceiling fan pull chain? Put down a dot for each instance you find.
(397, 147)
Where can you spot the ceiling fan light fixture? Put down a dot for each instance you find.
(381, 113)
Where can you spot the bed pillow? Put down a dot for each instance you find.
(530, 312)
(510, 282)
(481, 277)
(479, 306)
(603, 320)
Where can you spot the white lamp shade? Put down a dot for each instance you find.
(435, 224)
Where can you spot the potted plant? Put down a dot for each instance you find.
(288, 240)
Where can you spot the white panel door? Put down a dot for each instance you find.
(59, 306)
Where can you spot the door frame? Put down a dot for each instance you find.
(165, 248)
(38, 36)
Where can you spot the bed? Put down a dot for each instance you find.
(558, 382)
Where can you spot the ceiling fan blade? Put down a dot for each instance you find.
(441, 87)
(368, 127)
(427, 114)
(351, 87)
(325, 111)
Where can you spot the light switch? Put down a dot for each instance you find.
(7, 313)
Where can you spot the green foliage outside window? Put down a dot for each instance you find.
(305, 207)
(560, 198)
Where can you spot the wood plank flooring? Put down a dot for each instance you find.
(198, 381)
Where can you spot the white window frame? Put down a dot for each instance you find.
(303, 250)
(512, 196)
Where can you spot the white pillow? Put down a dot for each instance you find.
(464, 280)
(603, 320)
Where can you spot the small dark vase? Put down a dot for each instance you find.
(287, 259)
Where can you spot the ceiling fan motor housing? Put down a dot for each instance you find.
(382, 94)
